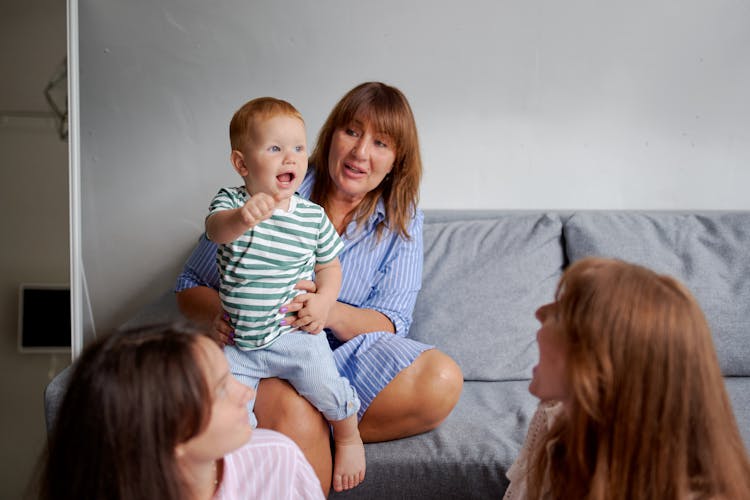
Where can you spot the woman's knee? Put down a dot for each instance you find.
(437, 388)
(440, 382)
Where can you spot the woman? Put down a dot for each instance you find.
(365, 171)
(155, 413)
(633, 400)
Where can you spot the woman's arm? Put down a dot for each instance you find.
(199, 304)
(344, 320)
(202, 305)
(347, 321)
(197, 284)
(316, 307)
(390, 303)
(196, 290)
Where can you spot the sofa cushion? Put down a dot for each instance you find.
(465, 458)
(708, 252)
(482, 281)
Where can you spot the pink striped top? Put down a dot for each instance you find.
(270, 466)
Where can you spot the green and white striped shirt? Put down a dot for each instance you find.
(260, 269)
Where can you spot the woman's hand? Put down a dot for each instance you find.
(313, 314)
(344, 320)
(304, 307)
(221, 330)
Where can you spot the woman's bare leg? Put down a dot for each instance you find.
(280, 408)
(417, 400)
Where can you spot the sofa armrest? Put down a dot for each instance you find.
(53, 396)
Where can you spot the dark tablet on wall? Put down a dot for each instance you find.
(43, 317)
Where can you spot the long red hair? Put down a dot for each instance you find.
(648, 417)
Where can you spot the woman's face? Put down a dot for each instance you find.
(229, 426)
(359, 159)
(549, 380)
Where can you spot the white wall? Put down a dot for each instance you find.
(33, 222)
(520, 105)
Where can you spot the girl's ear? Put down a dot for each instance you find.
(179, 451)
(238, 162)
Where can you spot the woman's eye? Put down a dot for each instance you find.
(380, 144)
(351, 132)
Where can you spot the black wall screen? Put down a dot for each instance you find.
(44, 318)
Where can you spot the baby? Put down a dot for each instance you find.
(269, 239)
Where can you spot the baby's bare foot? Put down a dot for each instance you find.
(349, 464)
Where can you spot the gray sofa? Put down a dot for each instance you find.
(485, 274)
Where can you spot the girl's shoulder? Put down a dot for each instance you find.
(262, 439)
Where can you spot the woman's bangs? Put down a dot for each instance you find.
(381, 114)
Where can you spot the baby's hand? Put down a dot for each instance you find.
(257, 209)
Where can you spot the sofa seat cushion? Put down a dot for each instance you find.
(708, 252)
(465, 458)
(483, 280)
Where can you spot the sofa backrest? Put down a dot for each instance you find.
(486, 272)
(484, 277)
(708, 252)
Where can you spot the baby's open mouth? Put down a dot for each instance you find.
(285, 177)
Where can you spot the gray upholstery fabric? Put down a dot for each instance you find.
(482, 282)
(53, 395)
(709, 253)
(162, 310)
(485, 274)
(465, 458)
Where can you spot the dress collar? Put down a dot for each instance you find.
(305, 190)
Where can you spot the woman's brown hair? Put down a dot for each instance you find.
(385, 109)
(649, 416)
(132, 398)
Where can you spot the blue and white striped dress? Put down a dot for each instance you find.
(383, 275)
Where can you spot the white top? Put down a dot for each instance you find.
(541, 423)
(270, 466)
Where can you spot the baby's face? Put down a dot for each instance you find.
(276, 157)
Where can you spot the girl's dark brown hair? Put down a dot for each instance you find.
(387, 111)
(132, 398)
(649, 416)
